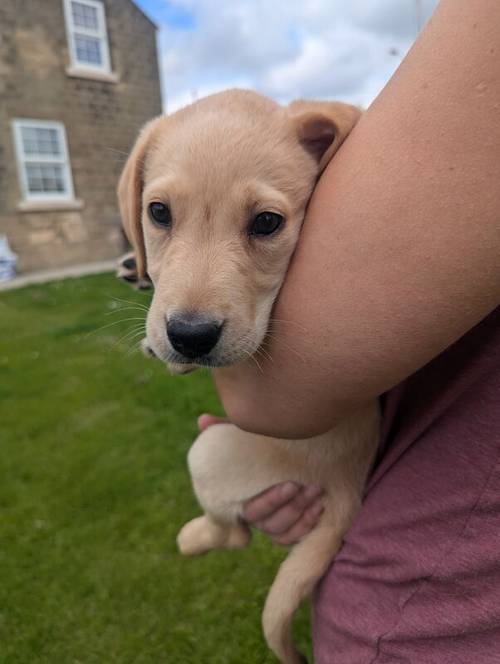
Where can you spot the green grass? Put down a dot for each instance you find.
(93, 490)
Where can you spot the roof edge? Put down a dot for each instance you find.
(148, 18)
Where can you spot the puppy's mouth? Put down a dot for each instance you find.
(176, 358)
(147, 349)
(201, 361)
(211, 360)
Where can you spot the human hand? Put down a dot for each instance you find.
(286, 512)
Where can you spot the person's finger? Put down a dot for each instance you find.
(285, 517)
(206, 420)
(302, 527)
(260, 507)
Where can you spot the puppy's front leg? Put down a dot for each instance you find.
(205, 533)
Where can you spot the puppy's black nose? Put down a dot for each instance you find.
(193, 335)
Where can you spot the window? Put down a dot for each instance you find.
(43, 162)
(87, 37)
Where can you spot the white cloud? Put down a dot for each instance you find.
(315, 49)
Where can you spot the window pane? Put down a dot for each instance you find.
(45, 178)
(84, 16)
(88, 50)
(40, 140)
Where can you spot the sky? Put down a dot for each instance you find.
(286, 49)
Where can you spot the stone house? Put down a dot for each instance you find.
(78, 78)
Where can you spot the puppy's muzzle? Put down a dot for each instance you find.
(193, 335)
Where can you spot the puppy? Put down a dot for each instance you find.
(212, 200)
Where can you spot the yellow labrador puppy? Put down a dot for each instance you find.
(212, 199)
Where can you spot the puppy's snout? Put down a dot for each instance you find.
(193, 335)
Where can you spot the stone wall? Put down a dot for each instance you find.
(101, 118)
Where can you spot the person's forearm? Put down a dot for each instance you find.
(400, 251)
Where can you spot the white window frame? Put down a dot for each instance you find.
(101, 34)
(62, 160)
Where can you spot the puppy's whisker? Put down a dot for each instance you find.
(117, 311)
(264, 353)
(133, 348)
(135, 303)
(115, 322)
(280, 341)
(131, 334)
(287, 322)
(136, 328)
(254, 359)
(294, 351)
(256, 362)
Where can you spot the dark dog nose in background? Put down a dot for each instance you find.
(193, 335)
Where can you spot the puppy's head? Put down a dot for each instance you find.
(212, 200)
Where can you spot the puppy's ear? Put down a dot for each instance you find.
(323, 126)
(130, 195)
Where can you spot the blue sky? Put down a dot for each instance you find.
(167, 13)
(286, 49)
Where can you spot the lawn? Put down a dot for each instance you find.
(94, 488)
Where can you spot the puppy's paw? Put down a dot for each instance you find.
(195, 537)
(126, 269)
(202, 534)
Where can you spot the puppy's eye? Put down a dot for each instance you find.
(159, 213)
(265, 223)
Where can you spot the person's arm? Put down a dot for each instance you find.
(400, 251)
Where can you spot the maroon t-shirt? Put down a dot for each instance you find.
(418, 578)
